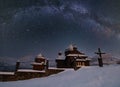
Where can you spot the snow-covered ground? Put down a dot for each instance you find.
(92, 76)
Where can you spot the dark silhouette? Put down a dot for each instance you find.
(100, 61)
(17, 66)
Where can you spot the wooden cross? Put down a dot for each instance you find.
(100, 57)
(99, 53)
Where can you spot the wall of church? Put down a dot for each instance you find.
(60, 63)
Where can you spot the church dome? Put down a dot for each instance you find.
(40, 56)
(70, 47)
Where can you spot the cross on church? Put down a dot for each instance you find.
(100, 57)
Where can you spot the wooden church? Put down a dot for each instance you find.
(40, 63)
(72, 58)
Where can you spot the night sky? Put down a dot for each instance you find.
(30, 27)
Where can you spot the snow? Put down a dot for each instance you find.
(60, 68)
(80, 59)
(83, 59)
(77, 55)
(40, 56)
(30, 70)
(6, 73)
(91, 76)
(70, 47)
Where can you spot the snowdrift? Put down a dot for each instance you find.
(92, 76)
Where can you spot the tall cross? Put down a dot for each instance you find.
(100, 57)
(99, 53)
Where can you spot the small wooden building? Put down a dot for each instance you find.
(40, 63)
(73, 58)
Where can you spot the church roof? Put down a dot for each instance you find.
(70, 47)
(77, 55)
(83, 59)
(40, 56)
(72, 50)
(34, 63)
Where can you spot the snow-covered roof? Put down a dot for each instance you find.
(30, 70)
(77, 55)
(88, 59)
(57, 68)
(83, 59)
(65, 69)
(34, 63)
(40, 56)
(70, 47)
(80, 59)
(6, 73)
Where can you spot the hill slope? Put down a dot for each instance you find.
(92, 76)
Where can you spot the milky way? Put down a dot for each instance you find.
(30, 27)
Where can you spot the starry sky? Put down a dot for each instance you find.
(30, 27)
